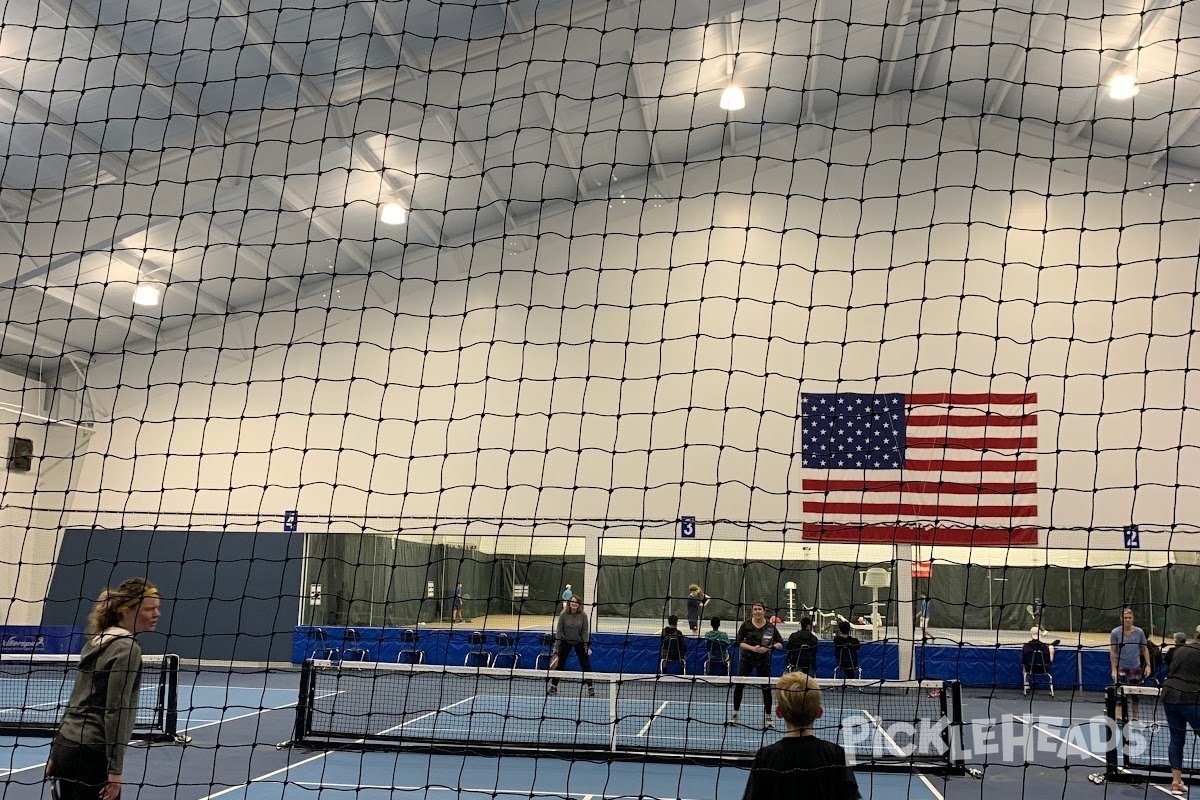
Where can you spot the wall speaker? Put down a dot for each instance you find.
(20, 454)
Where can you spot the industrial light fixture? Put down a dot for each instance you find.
(146, 294)
(1123, 86)
(733, 99)
(393, 214)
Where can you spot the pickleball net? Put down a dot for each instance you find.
(34, 689)
(1138, 736)
(904, 725)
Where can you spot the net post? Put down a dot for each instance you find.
(304, 704)
(170, 685)
(952, 710)
(1112, 761)
(613, 719)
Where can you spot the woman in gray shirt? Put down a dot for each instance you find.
(88, 753)
(573, 634)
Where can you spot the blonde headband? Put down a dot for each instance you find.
(128, 604)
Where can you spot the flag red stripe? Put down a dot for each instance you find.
(976, 421)
(935, 399)
(973, 442)
(920, 510)
(917, 487)
(926, 535)
(970, 465)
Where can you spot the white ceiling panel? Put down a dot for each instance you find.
(195, 109)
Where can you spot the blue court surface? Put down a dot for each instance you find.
(378, 776)
(236, 721)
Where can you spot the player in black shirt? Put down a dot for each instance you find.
(755, 640)
(800, 764)
(802, 649)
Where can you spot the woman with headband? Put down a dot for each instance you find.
(88, 753)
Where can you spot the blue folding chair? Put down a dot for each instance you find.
(410, 648)
(321, 648)
(545, 658)
(352, 645)
(717, 660)
(477, 656)
(507, 656)
(672, 658)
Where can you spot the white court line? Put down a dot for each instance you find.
(6, 773)
(1055, 736)
(1083, 750)
(491, 790)
(900, 752)
(325, 754)
(650, 721)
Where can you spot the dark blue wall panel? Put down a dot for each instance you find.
(226, 596)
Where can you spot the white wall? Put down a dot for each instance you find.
(32, 503)
(645, 360)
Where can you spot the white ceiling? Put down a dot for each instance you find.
(235, 150)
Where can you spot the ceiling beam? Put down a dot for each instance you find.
(644, 105)
(283, 64)
(36, 340)
(212, 232)
(102, 311)
(1032, 31)
(572, 155)
(931, 40)
(487, 183)
(1173, 133)
(105, 44)
(1129, 52)
(899, 32)
(807, 100)
(566, 14)
(23, 104)
(393, 37)
(296, 203)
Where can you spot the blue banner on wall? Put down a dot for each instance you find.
(40, 639)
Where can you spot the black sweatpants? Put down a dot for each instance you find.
(79, 772)
(745, 668)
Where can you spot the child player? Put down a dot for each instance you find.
(800, 759)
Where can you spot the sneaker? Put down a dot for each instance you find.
(591, 691)
(733, 718)
(552, 690)
(768, 721)
(1055, 643)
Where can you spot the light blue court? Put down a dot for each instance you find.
(1142, 743)
(382, 776)
(640, 725)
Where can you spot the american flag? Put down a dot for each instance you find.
(920, 468)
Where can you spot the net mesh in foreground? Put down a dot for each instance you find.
(34, 690)
(1139, 736)
(897, 724)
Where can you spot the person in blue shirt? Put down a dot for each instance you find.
(457, 603)
(566, 596)
(1129, 655)
(923, 615)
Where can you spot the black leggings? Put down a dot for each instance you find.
(78, 772)
(745, 668)
(581, 650)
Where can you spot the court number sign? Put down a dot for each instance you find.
(687, 527)
(1133, 538)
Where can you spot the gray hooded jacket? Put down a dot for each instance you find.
(104, 703)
